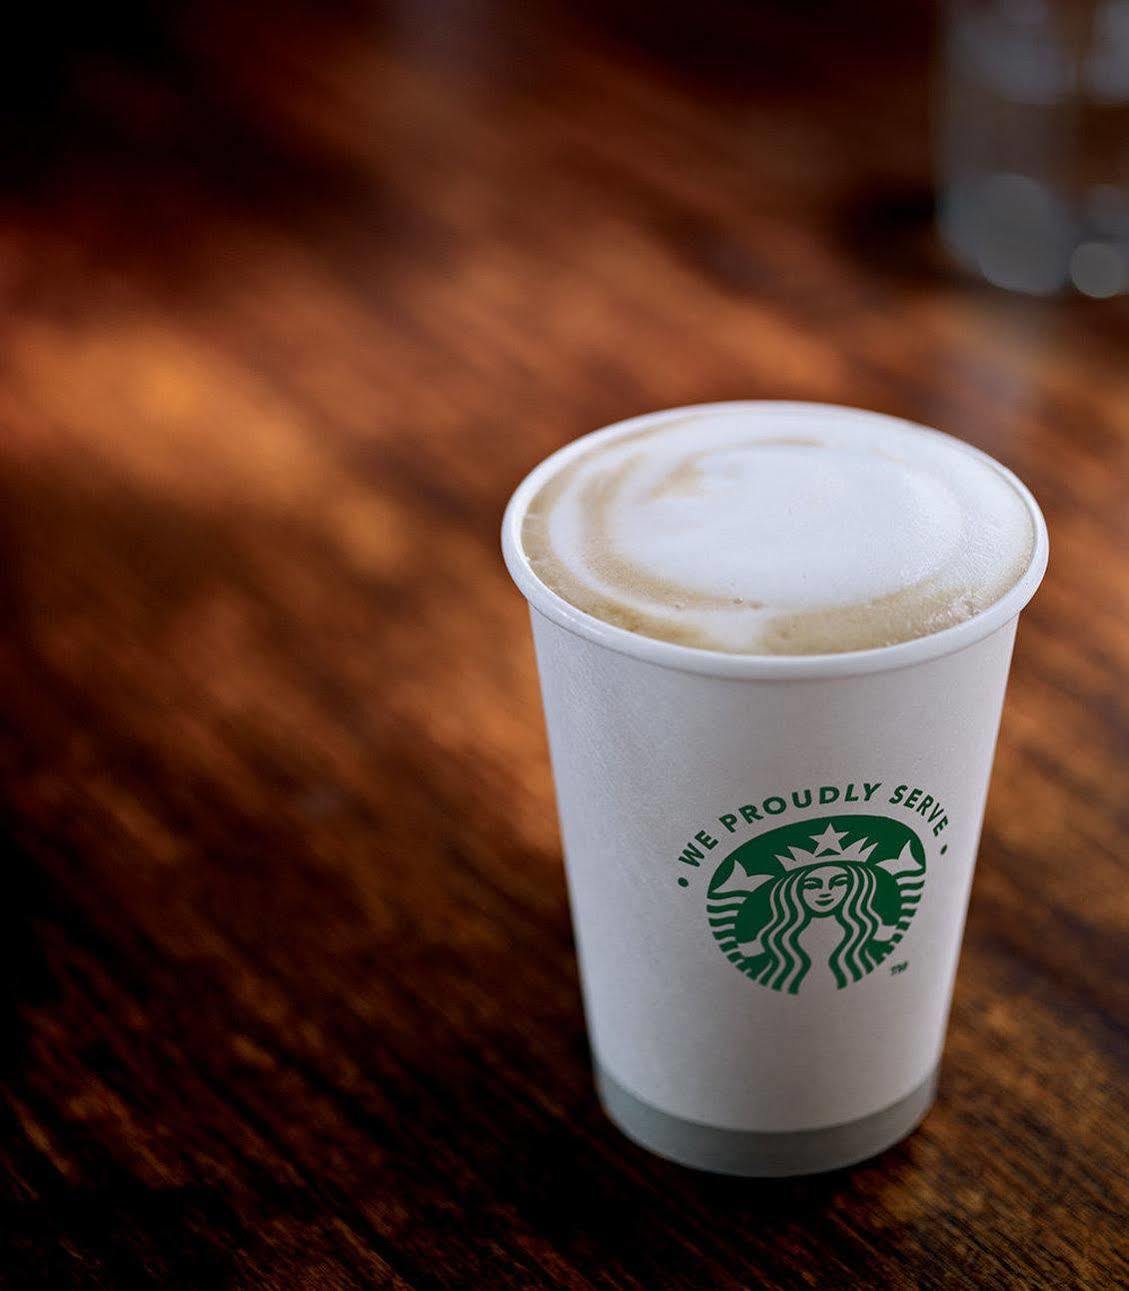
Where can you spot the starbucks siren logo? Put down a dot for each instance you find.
(836, 893)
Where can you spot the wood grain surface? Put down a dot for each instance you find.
(291, 300)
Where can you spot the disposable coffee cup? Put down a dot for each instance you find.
(690, 784)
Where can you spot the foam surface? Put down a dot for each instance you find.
(779, 529)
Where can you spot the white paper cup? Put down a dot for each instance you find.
(735, 1024)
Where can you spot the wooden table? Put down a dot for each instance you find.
(290, 304)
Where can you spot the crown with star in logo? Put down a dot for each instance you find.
(828, 850)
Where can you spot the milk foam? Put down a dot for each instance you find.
(779, 529)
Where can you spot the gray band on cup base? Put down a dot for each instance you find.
(767, 1155)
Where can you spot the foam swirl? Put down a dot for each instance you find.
(779, 529)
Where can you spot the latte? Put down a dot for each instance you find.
(778, 529)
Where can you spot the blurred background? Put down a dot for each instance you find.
(292, 296)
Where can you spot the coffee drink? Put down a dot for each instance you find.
(770, 837)
(777, 529)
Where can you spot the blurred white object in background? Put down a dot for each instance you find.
(1033, 142)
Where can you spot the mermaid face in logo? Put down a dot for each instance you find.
(844, 892)
(824, 888)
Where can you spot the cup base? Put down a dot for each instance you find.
(762, 1155)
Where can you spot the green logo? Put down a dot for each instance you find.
(835, 894)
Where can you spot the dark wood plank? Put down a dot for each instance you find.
(290, 304)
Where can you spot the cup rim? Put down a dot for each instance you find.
(713, 663)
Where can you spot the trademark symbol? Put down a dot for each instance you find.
(895, 969)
